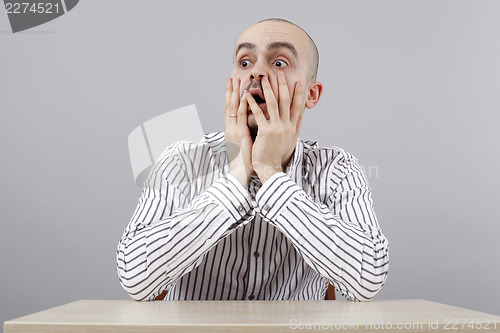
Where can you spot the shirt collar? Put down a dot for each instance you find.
(297, 168)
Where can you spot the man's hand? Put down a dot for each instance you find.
(277, 137)
(237, 135)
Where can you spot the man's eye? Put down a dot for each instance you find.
(244, 63)
(280, 63)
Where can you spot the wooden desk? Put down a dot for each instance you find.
(255, 316)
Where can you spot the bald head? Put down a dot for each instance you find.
(310, 54)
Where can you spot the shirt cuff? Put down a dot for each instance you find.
(273, 196)
(231, 195)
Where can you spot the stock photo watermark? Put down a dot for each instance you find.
(149, 140)
(370, 171)
(430, 325)
(26, 14)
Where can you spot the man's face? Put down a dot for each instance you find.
(264, 49)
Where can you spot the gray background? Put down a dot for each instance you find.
(411, 88)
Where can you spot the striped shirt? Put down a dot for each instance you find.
(200, 234)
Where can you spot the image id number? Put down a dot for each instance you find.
(35, 8)
(460, 324)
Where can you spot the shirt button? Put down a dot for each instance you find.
(208, 242)
(251, 297)
(265, 208)
(240, 208)
(256, 254)
(254, 203)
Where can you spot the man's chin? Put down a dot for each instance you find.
(252, 124)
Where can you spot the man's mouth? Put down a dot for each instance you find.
(258, 99)
(258, 96)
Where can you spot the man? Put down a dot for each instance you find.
(275, 219)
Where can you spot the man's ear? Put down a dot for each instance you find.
(313, 94)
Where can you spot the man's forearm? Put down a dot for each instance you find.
(353, 255)
(156, 250)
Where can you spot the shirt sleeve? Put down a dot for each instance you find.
(338, 234)
(172, 229)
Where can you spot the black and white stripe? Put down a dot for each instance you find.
(200, 234)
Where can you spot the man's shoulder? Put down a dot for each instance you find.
(328, 163)
(327, 166)
(189, 156)
(213, 142)
(325, 155)
(183, 160)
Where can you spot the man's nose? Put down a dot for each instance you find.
(259, 71)
(254, 76)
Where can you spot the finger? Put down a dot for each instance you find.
(229, 90)
(298, 102)
(242, 112)
(273, 80)
(284, 101)
(271, 102)
(235, 99)
(257, 112)
(299, 123)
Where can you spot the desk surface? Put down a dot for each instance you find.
(255, 316)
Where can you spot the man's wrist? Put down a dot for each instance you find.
(241, 176)
(267, 172)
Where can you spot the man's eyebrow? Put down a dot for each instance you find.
(244, 45)
(270, 46)
(278, 45)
